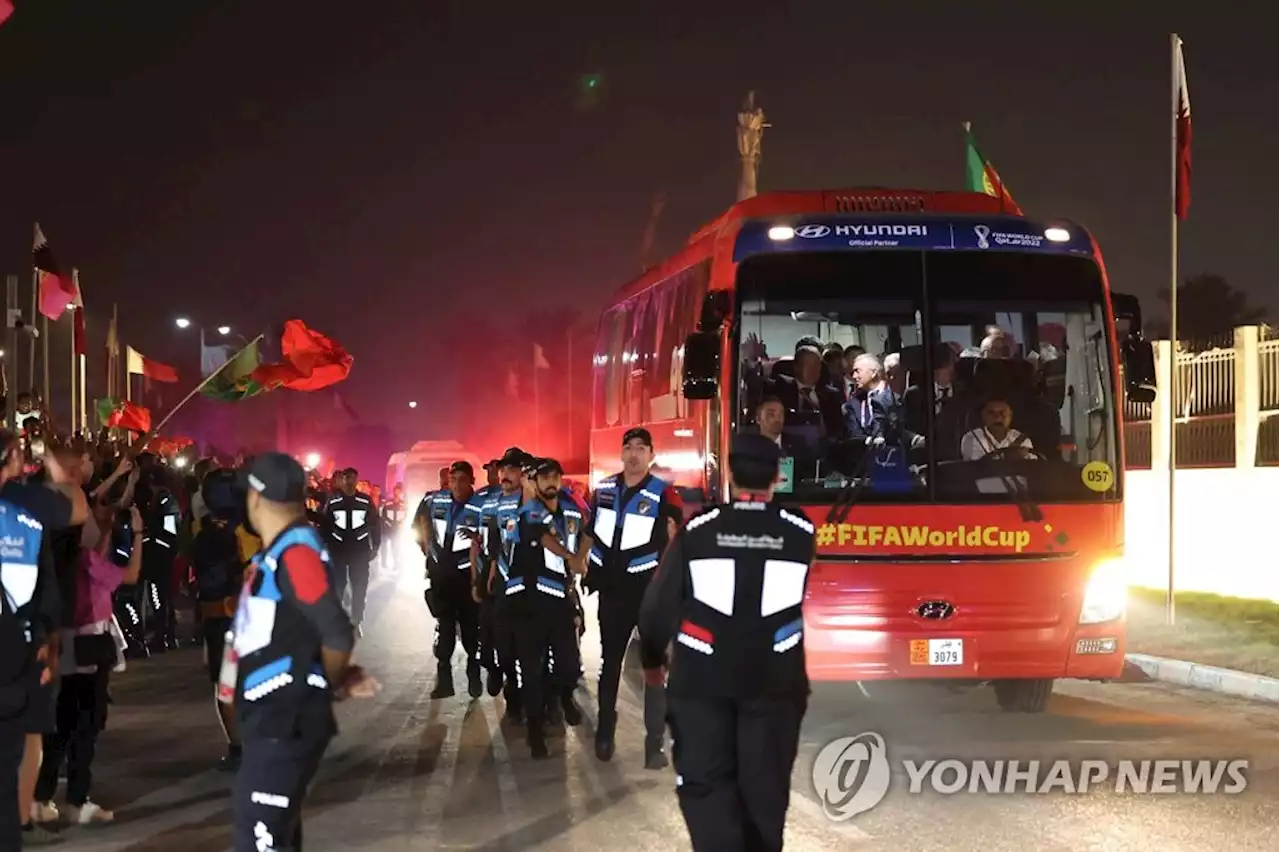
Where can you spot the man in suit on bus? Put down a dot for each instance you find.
(808, 394)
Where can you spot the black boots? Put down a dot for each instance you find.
(495, 683)
(655, 726)
(474, 687)
(444, 682)
(604, 734)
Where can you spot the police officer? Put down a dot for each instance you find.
(634, 515)
(218, 564)
(446, 522)
(551, 546)
(482, 554)
(352, 532)
(293, 642)
(392, 512)
(729, 594)
(161, 517)
(502, 521)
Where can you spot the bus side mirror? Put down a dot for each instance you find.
(701, 365)
(1139, 368)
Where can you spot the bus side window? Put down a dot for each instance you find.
(616, 371)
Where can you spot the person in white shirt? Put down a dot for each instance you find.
(995, 434)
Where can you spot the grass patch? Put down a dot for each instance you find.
(1234, 633)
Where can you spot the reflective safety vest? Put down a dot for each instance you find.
(448, 519)
(746, 568)
(628, 538)
(163, 515)
(280, 676)
(350, 523)
(537, 569)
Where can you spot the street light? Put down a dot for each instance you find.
(224, 330)
(413, 403)
(182, 322)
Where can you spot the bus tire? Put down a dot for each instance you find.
(1023, 696)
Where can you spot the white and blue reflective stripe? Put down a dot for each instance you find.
(515, 586)
(268, 678)
(551, 587)
(642, 563)
(788, 635)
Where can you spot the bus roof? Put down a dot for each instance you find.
(857, 200)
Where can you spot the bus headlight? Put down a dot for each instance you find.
(1107, 594)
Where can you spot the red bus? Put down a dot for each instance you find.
(948, 546)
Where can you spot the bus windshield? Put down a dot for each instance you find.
(950, 377)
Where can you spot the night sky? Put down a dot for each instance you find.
(382, 169)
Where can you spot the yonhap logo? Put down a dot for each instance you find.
(851, 775)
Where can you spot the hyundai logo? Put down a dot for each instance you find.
(935, 610)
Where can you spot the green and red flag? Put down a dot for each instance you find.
(120, 414)
(981, 176)
(233, 381)
(311, 361)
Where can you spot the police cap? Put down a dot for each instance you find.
(513, 457)
(753, 460)
(277, 477)
(546, 467)
(640, 434)
(463, 467)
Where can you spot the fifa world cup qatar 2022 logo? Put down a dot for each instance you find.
(851, 775)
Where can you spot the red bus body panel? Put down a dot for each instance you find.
(1016, 604)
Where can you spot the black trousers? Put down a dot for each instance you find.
(13, 739)
(504, 647)
(81, 716)
(353, 569)
(733, 760)
(157, 574)
(269, 788)
(619, 611)
(457, 616)
(487, 644)
(540, 630)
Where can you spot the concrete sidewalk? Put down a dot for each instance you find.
(1212, 678)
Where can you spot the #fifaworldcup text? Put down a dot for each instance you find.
(1227, 777)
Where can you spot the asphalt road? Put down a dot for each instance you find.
(409, 773)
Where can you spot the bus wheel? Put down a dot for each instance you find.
(1023, 696)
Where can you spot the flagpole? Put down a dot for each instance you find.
(569, 377)
(537, 411)
(1172, 110)
(44, 357)
(155, 430)
(75, 371)
(35, 301)
(84, 412)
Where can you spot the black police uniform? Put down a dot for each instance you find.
(449, 593)
(283, 701)
(729, 593)
(486, 644)
(392, 514)
(541, 614)
(352, 532)
(161, 517)
(504, 537)
(629, 535)
(217, 564)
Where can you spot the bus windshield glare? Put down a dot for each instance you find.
(989, 375)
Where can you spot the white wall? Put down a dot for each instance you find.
(1227, 530)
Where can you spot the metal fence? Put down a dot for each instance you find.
(1207, 408)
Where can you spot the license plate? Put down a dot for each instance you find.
(937, 652)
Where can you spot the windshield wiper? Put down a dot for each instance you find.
(849, 494)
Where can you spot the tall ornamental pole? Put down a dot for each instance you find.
(751, 127)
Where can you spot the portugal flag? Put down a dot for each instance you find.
(311, 361)
(981, 176)
(233, 381)
(116, 414)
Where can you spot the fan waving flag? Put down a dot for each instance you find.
(116, 414)
(311, 361)
(137, 364)
(981, 176)
(57, 291)
(1182, 128)
(233, 380)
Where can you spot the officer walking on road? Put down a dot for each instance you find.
(729, 593)
(291, 660)
(633, 514)
(353, 533)
(445, 522)
(551, 546)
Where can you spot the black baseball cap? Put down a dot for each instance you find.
(752, 449)
(463, 467)
(513, 457)
(277, 477)
(545, 467)
(638, 434)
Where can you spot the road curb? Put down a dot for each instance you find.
(1212, 678)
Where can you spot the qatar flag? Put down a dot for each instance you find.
(1182, 130)
(57, 290)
